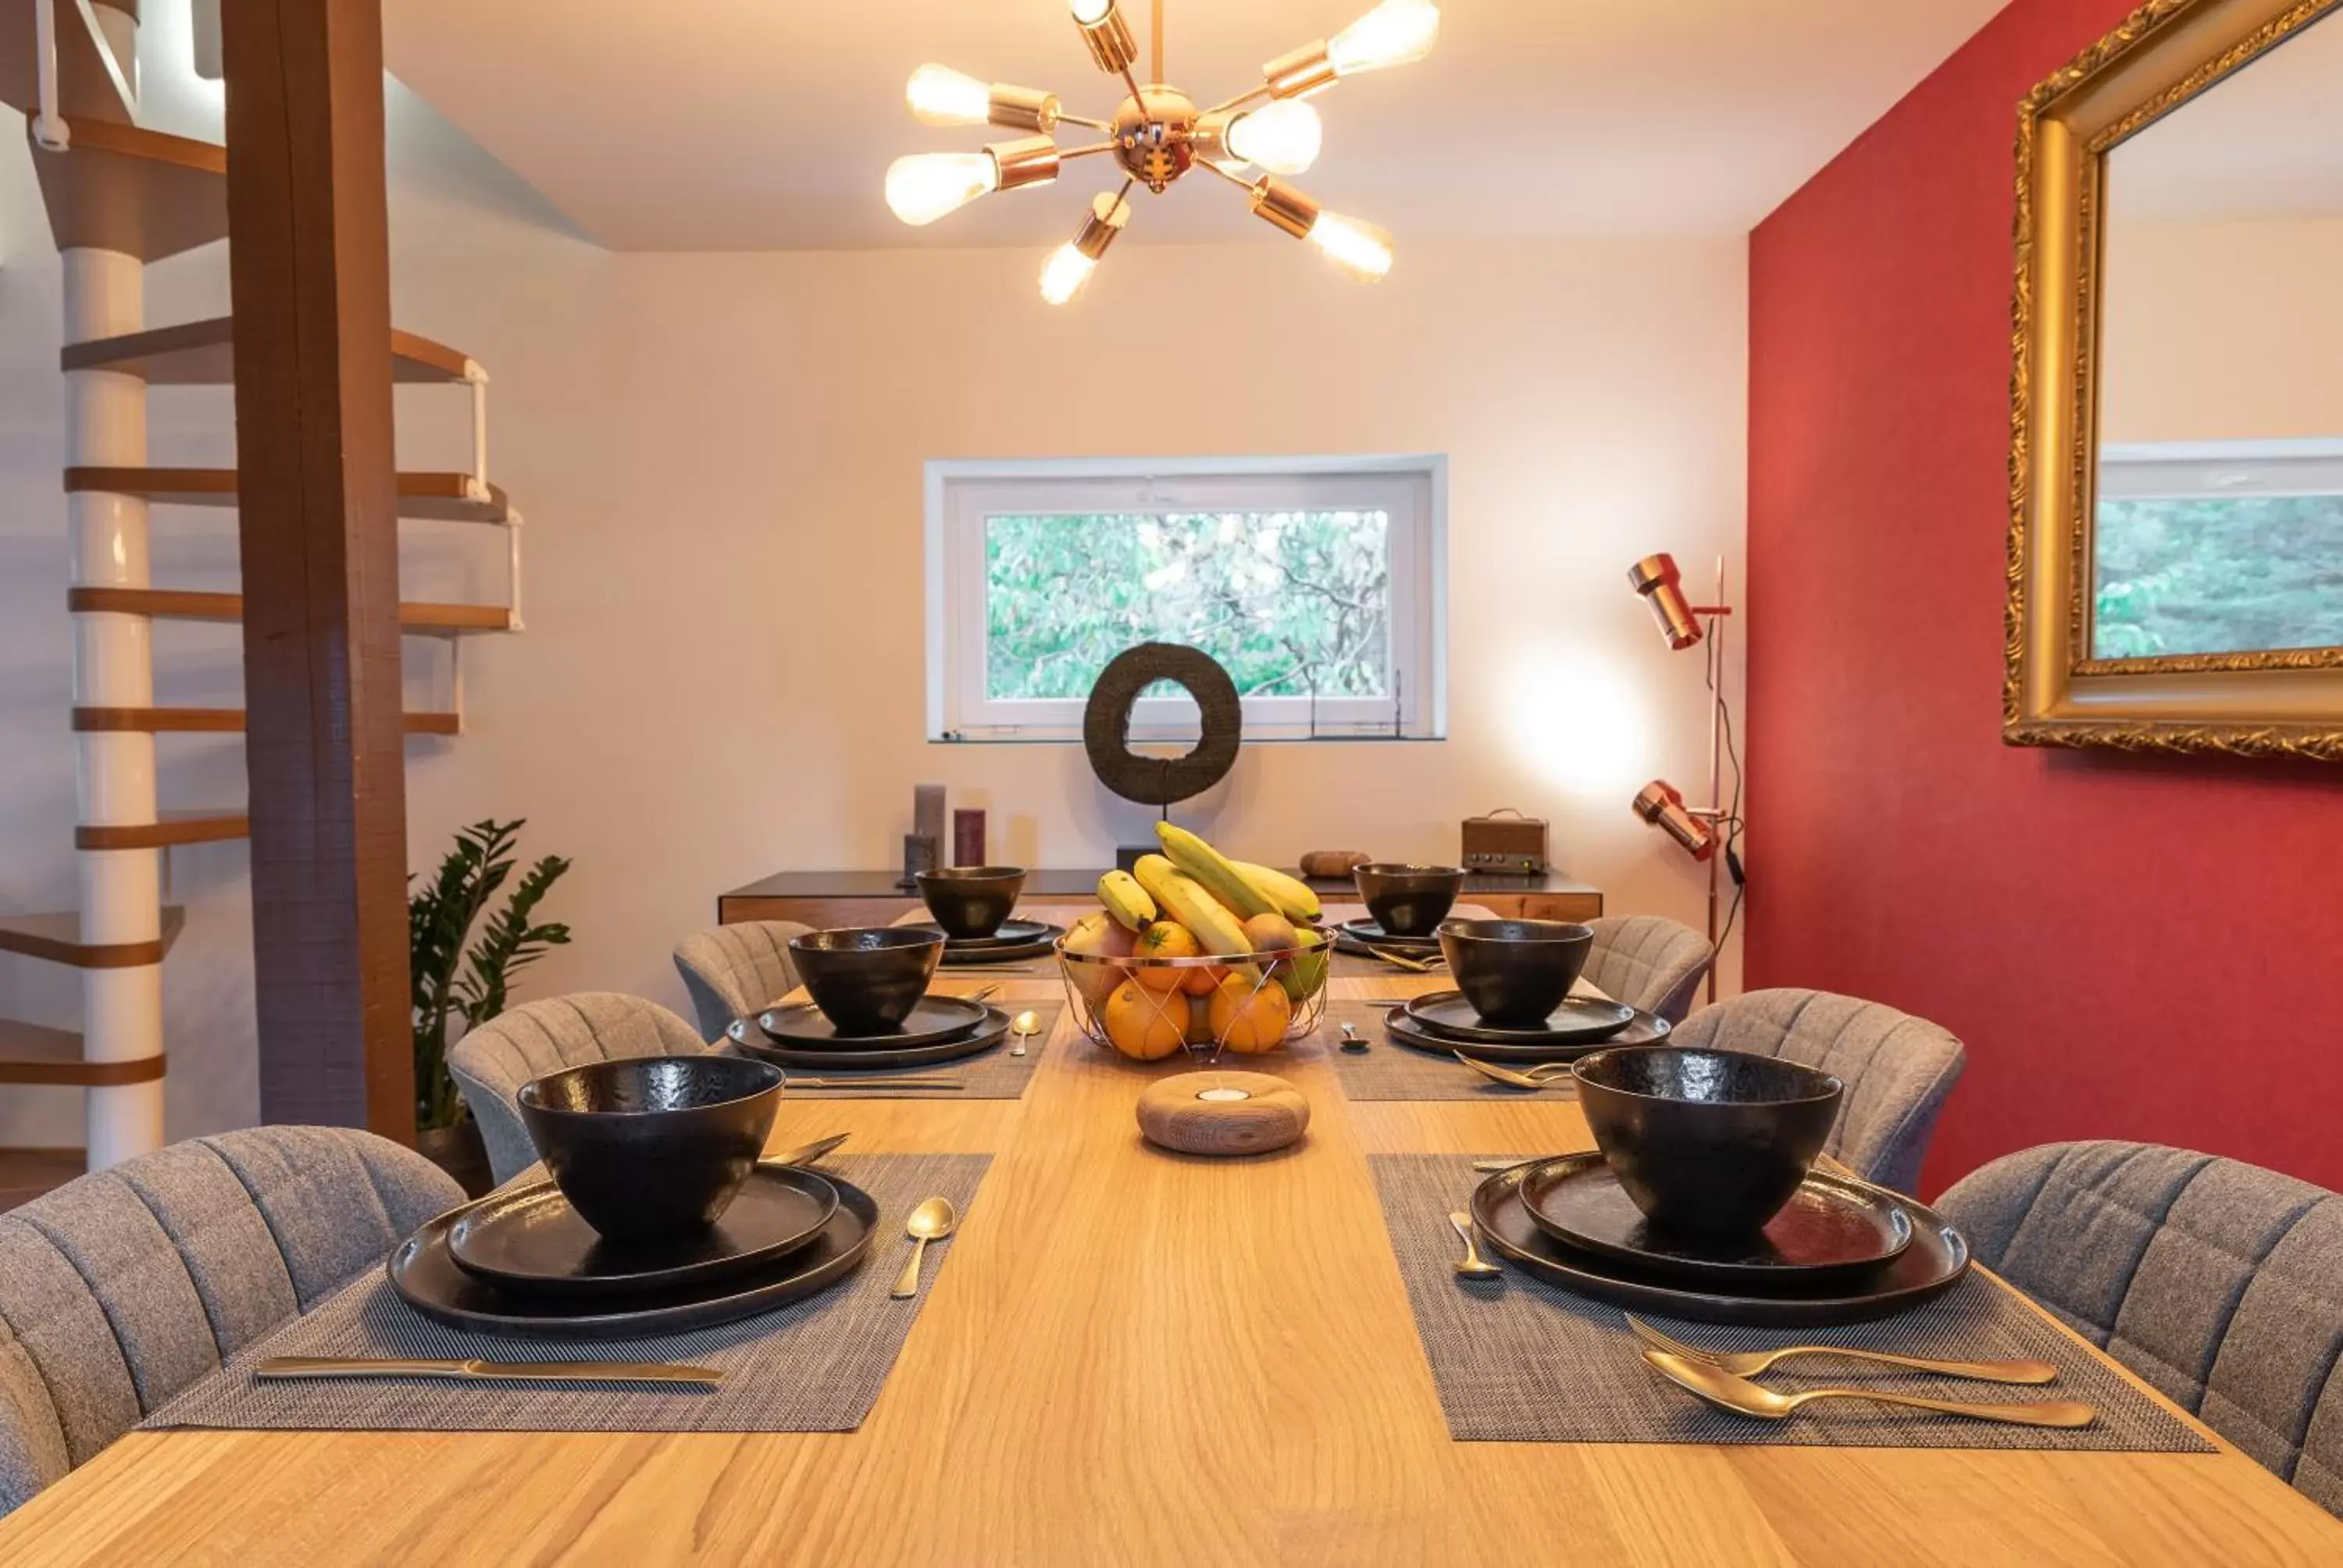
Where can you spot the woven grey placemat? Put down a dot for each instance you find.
(1387, 1070)
(995, 1075)
(815, 1366)
(1521, 1360)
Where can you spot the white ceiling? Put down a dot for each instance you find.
(689, 125)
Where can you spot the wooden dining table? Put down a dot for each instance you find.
(1133, 1357)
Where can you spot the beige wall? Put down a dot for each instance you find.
(719, 457)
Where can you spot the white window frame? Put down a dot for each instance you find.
(1411, 490)
(2219, 470)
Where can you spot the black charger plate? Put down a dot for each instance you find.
(1835, 1229)
(425, 1277)
(956, 957)
(747, 1039)
(1937, 1257)
(1649, 1029)
(1009, 934)
(1367, 932)
(530, 1239)
(1579, 1021)
(801, 1026)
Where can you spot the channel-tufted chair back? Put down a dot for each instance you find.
(1897, 1068)
(1648, 961)
(491, 1063)
(2220, 1283)
(123, 1287)
(736, 970)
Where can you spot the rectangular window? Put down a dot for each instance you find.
(1318, 584)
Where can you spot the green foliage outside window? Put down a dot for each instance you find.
(2217, 575)
(1292, 604)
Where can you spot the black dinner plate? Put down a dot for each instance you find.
(747, 1039)
(1009, 934)
(1366, 930)
(426, 1276)
(1579, 1021)
(801, 1026)
(1834, 1230)
(955, 956)
(530, 1239)
(1938, 1255)
(1648, 1029)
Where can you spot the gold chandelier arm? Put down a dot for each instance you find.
(1222, 107)
(1085, 121)
(1239, 181)
(1087, 150)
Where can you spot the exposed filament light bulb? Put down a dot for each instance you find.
(1090, 13)
(1395, 33)
(1360, 249)
(926, 186)
(1282, 137)
(1070, 265)
(939, 96)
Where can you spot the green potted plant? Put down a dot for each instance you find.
(459, 983)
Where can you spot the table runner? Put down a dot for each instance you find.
(1387, 1070)
(1521, 1360)
(815, 1366)
(994, 1075)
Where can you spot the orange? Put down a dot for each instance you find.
(1249, 1016)
(1143, 1025)
(1166, 939)
(1200, 1021)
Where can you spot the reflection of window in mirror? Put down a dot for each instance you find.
(2220, 525)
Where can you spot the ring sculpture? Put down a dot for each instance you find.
(1106, 724)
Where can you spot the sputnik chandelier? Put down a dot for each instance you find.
(1158, 135)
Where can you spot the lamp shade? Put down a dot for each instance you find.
(1662, 805)
(1662, 585)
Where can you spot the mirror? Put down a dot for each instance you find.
(2177, 476)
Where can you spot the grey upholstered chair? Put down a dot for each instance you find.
(123, 1287)
(1897, 1068)
(1648, 961)
(491, 1063)
(736, 970)
(2220, 1283)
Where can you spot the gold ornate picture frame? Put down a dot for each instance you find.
(2280, 702)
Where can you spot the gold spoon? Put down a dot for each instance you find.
(1739, 1396)
(1473, 1266)
(807, 1153)
(1749, 1363)
(1025, 1023)
(932, 1221)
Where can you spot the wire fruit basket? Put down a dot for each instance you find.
(1149, 1009)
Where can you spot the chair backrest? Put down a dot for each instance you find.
(491, 1063)
(1897, 1068)
(736, 970)
(2217, 1281)
(1648, 961)
(123, 1287)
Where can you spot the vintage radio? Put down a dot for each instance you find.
(1505, 840)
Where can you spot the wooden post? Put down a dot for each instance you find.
(308, 264)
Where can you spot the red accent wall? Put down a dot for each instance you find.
(2146, 949)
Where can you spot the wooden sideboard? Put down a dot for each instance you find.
(824, 898)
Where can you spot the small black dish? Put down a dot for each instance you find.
(1515, 972)
(1647, 1029)
(866, 1051)
(971, 901)
(1937, 1258)
(425, 1277)
(963, 958)
(1408, 900)
(530, 1239)
(1578, 1020)
(932, 1020)
(1833, 1229)
(867, 979)
(1009, 934)
(1708, 1142)
(652, 1148)
(1366, 934)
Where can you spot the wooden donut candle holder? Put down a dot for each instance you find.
(1222, 1113)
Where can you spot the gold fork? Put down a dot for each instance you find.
(1749, 1363)
(1546, 1075)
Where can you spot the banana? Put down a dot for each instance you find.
(1183, 899)
(1213, 871)
(1292, 895)
(1125, 900)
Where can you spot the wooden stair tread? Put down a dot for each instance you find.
(199, 825)
(55, 935)
(139, 192)
(26, 1173)
(35, 1053)
(91, 83)
(440, 496)
(203, 354)
(176, 604)
(220, 720)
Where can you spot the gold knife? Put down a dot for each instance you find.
(299, 1367)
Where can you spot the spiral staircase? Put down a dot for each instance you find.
(119, 197)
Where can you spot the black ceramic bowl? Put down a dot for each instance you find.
(867, 979)
(1515, 972)
(1408, 900)
(1708, 1142)
(971, 901)
(652, 1147)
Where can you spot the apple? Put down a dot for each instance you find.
(1096, 935)
(1272, 933)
